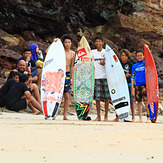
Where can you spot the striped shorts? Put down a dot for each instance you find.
(67, 87)
(101, 90)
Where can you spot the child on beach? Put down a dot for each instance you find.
(101, 91)
(127, 67)
(70, 55)
(138, 84)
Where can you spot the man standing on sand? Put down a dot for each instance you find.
(70, 55)
(101, 91)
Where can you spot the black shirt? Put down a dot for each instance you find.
(4, 90)
(15, 93)
(127, 67)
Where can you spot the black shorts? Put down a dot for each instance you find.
(19, 105)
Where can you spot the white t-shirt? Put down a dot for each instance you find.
(100, 72)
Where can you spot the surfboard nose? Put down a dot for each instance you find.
(107, 47)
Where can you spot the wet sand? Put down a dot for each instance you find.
(29, 138)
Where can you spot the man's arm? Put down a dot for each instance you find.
(132, 87)
(55, 40)
(72, 67)
(27, 94)
(102, 62)
(132, 81)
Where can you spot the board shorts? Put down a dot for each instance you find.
(140, 93)
(131, 96)
(101, 90)
(19, 105)
(67, 87)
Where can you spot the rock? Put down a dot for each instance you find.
(7, 39)
(29, 35)
(8, 58)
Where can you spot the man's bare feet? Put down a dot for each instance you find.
(106, 119)
(65, 118)
(140, 121)
(148, 120)
(133, 119)
(117, 119)
(97, 119)
(37, 112)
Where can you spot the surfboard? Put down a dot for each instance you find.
(83, 80)
(117, 84)
(53, 79)
(151, 84)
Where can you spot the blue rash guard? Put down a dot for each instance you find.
(138, 73)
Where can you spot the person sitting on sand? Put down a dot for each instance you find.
(101, 90)
(14, 78)
(31, 66)
(21, 67)
(36, 55)
(138, 83)
(19, 97)
(70, 55)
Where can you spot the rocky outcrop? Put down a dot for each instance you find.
(58, 17)
(123, 24)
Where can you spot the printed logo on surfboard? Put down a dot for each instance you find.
(86, 59)
(113, 91)
(115, 58)
(81, 52)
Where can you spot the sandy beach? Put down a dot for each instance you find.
(29, 138)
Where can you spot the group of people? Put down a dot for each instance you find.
(22, 88)
(135, 76)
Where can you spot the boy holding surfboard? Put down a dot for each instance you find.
(127, 67)
(70, 55)
(138, 83)
(101, 91)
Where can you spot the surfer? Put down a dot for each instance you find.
(70, 55)
(101, 91)
(138, 84)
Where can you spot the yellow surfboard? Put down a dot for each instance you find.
(83, 79)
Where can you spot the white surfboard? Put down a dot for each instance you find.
(117, 83)
(53, 79)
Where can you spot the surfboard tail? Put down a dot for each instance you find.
(82, 109)
(153, 111)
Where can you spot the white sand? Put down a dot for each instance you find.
(30, 138)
